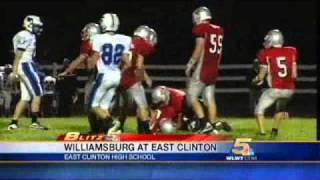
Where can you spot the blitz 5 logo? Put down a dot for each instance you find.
(241, 147)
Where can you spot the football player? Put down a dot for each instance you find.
(88, 31)
(24, 44)
(143, 42)
(206, 57)
(108, 50)
(278, 63)
(170, 111)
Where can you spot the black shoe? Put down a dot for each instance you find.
(226, 126)
(38, 126)
(207, 128)
(274, 134)
(192, 124)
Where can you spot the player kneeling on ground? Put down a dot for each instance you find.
(279, 63)
(143, 42)
(170, 113)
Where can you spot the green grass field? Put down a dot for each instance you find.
(293, 129)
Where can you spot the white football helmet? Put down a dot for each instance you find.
(50, 79)
(201, 14)
(160, 95)
(89, 30)
(274, 38)
(146, 33)
(33, 24)
(109, 22)
(167, 127)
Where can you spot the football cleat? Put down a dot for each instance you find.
(192, 124)
(226, 126)
(12, 126)
(38, 126)
(207, 128)
(274, 134)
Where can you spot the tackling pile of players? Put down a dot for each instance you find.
(118, 63)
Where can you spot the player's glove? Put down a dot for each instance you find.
(256, 81)
(189, 67)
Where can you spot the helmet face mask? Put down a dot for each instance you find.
(89, 31)
(274, 38)
(33, 24)
(200, 15)
(109, 22)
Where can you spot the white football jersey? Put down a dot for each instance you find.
(111, 48)
(26, 41)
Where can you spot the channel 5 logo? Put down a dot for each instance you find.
(241, 147)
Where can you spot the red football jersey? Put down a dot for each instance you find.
(279, 62)
(85, 48)
(213, 36)
(138, 46)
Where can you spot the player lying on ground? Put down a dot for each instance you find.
(279, 63)
(24, 43)
(170, 112)
(143, 42)
(206, 57)
(108, 50)
(87, 33)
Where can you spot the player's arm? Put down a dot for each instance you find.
(17, 58)
(197, 51)
(125, 62)
(16, 61)
(263, 68)
(140, 72)
(74, 64)
(294, 70)
(93, 59)
(147, 79)
(258, 80)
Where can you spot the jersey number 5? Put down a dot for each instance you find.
(111, 54)
(281, 63)
(216, 42)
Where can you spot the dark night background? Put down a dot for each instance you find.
(245, 22)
